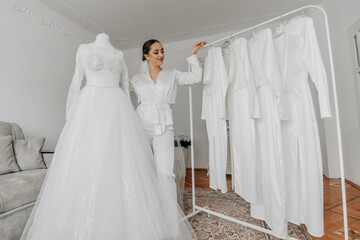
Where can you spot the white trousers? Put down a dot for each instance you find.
(163, 149)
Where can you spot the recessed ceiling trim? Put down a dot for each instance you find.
(121, 41)
(42, 21)
(249, 20)
(87, 21)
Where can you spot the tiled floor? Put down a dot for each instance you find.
(332, 204)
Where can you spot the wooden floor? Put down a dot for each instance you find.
(334, 225)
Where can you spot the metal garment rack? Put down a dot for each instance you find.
(198, 209)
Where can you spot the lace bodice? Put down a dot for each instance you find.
(102, 66)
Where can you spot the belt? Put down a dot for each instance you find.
(162, 108)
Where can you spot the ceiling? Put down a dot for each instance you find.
(130, 22)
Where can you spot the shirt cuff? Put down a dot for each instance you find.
(193, 60)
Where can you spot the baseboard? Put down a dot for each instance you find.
(352, 184)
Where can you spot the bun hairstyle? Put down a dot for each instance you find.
(146, 47)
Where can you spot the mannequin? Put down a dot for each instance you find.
(103, 40)
(102, 178)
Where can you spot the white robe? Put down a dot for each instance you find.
(243, 107)
(272, 204)
(299, 56)
(214, 112)
(157, 98)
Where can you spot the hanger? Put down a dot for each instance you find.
(281, 23)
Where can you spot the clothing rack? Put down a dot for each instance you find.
(198, 209)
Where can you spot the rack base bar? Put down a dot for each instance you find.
(246, 224)
(192, 214)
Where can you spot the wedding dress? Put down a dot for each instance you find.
(102, 181)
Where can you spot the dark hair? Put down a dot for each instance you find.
(146, 47)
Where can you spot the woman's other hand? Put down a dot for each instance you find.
(196, 47)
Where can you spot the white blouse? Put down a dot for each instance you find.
(157, 98)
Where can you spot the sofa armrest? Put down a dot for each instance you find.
(47, 158)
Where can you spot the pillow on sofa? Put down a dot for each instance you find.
(28, 153)
(7, 158)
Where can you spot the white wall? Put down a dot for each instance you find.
(36, 68)
(341, 15)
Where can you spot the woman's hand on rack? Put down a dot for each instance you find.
(196, 47)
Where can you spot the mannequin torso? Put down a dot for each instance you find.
(102, 40)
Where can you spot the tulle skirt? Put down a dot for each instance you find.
(102, 181)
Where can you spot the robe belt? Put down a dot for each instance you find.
(162, 109)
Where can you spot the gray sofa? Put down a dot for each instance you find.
(18, 191)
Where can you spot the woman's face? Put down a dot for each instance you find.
(156, 54)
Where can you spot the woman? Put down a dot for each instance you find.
(156, 92)
(102, 183)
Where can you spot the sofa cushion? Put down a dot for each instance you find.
(7, 158)
(11, 129)
(28, 153)
(48, 156)
(20, 188)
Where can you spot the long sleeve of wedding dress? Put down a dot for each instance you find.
(124, 79)
(74, 90)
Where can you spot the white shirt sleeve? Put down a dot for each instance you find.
(254, 107)
(272, 73)
(195, 74)
(315, 66)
